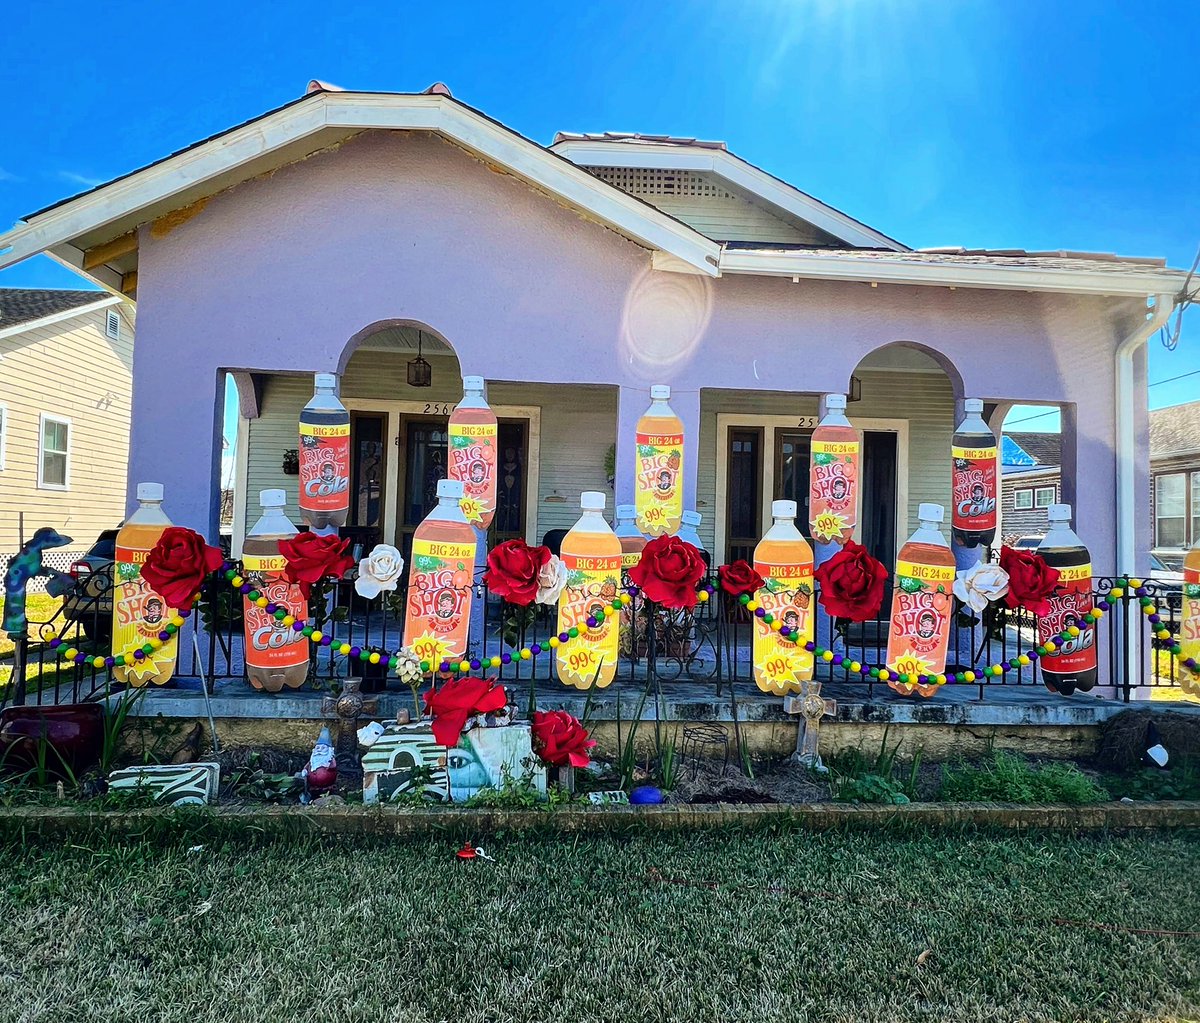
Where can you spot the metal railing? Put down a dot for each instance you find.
(711, 645)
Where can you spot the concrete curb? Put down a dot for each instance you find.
(389, 821)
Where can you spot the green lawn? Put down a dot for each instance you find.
(773, 925)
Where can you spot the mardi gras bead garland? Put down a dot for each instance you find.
(371, 655)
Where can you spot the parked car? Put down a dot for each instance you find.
(89, 601)
(1030, 542)
(1168, 581)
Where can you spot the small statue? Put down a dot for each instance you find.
(320, 773)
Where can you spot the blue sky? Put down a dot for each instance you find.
(994, 124)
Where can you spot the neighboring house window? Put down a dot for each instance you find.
(112, 325)
(1177, 509)
(1023, 500)
(54, 454)
(1043, 497)
(1195, 537)
(3, 431)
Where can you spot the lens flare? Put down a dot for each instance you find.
(665, 316)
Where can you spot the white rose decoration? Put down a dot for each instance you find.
(980, 585)
(552, 580)
(378, 572)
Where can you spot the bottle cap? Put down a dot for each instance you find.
(325, 381)
(592, 500)
(691, 518)
(450, 488)
(272, 498)
(972, 404)
(1059, 513)
(473, 384)
(626, 511)
(783, 509)
(660, 392)
(835, 401)
(149, 491)
(931, 513)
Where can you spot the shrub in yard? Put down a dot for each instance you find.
(854, 777)
(1180, 781)
(1010, 778)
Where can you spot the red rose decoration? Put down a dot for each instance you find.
(456, 701)
(852, 583)
(310, 558)
(512, 571)
(669, 571)
(178, 564)
(559, 739)
(1030, 580)
(739, 578)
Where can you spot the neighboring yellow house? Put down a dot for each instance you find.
(66, 361)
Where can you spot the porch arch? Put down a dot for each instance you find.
(879, 354)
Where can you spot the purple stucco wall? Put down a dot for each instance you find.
(281, 272)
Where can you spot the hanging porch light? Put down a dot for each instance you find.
(420, 373)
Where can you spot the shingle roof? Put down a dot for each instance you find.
(20, 305)
(1044, 448)
(1175, 430)
(1100, 262)
(630, 136)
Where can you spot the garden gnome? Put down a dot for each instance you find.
(320, 773)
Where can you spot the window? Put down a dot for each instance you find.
(1193, 539)
(1043, 497)
(112, 325)
(54, 460)
(1177, 509)
(1023, 500)
(3, 431)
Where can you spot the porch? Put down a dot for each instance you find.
(749, 447)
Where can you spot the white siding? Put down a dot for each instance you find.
(69, 370)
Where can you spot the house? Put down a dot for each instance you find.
(1175, 480)
(360, 233)
(66, 362)
(1029, 482)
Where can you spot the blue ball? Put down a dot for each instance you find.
(646, 795)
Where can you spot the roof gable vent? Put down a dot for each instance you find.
(112, 324)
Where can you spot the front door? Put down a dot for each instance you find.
(784, 451)
(422, 442)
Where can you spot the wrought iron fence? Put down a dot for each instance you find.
(711, 645)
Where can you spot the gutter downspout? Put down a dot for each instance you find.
(1127, 433)
(1127, 466)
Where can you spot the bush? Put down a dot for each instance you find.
(1179, 781)
(1010, 778)
(856, 778)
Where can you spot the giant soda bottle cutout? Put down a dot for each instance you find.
(324, 458)
(922, 605)
(276, 653)
(1073, 664)
(785, 561)
(140, 613)
(473, 443)
(1189, 628)
(440, 580)
(833, 483)
(591, 553)
(973, 449)
(658, 486)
